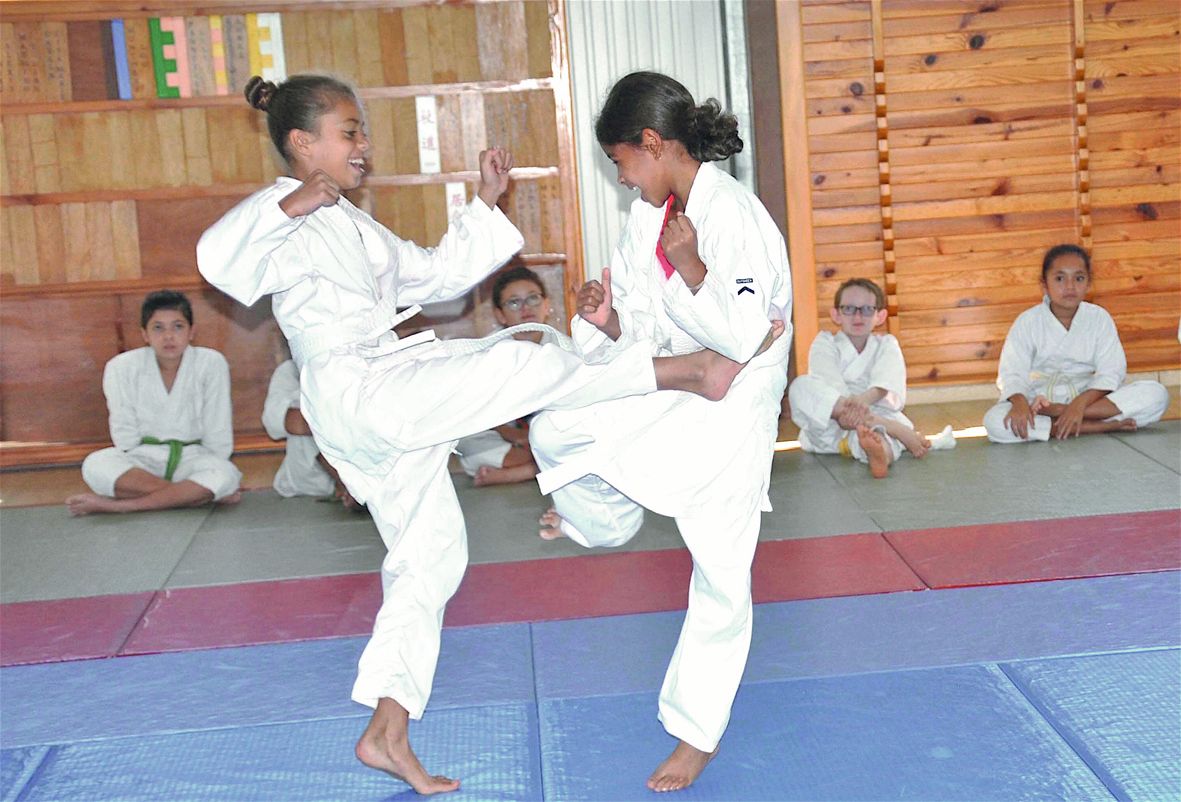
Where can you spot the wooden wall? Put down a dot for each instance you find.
(103, 199)
(940, 146)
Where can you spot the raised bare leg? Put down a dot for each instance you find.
(551, 525)
(385, 746)
(880, 454)
(706, 373)
(680, 769)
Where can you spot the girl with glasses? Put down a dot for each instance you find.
(502, 455)
(851, 400)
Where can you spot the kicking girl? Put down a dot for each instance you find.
(700, 265)
(1062, 367)
(386, 411)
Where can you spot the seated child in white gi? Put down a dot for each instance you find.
(1062, 367)
(387, 411)
(170, 421)
(502, 455)
(856, 384)
(304, 471)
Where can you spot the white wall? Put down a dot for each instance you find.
(701, 43)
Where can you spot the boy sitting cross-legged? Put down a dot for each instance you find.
(851, 400)
(170, 419)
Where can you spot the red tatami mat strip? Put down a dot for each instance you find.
(257, 612)
(598, 584)
(1028, 551)
(68, 629)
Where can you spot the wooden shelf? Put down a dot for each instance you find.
(177, 282)
(241, 190)
(207, 101)
(77, 10)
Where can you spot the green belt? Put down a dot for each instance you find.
(175, 447)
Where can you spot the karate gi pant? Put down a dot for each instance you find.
(219, 476)
(812, 402)
(1143, 401)
(721, 535)
(390, 431)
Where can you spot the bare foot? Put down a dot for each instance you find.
(914, 441)
(233, 498)
(1126, 425)
(385, 746)
(551, 525)
(86, 503)
(680, 769)
(718, 372)
(876, 450)
(1039, 405)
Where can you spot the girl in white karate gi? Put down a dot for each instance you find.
(1062, 367)
(385, 411)
(171, 421)
(851, 400)
(700, 265)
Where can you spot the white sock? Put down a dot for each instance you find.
(944, 441)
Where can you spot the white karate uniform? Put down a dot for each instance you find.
(488, 449)
(385, 411)
(836, 369)
(196, 408)
(705, 463)
(300, 473)
(1042, 357)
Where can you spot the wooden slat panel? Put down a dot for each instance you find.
(1012, 186)
(1016, 221)
(1114, 10)
(952, 41)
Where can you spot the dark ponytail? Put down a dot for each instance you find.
(652, 100)
(296, 104)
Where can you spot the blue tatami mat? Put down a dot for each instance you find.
(850, 635)
(243, 686)
(492, 750)
(962, 733)
(1121, 712)
(17, 767)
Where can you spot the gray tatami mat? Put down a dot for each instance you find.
(981, 482)
(1161, 442)
(46, 554)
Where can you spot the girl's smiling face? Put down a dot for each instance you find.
(1066, 282)
(339, 147)
(637, 168)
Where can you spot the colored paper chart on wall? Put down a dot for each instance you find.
(264, 33)
(164, 57)
(119, 56)
(56, 62)
(427, 117)
(91, 60)
(237, 51)
(456, 198)
(199, 38)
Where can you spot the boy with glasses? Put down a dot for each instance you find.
(851, 401)
(502, 455)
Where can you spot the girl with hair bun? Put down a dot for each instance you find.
(385, 411)
(700, 264)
